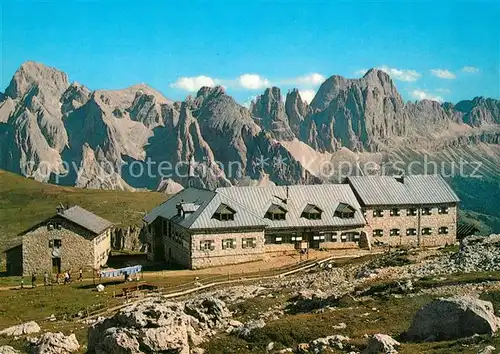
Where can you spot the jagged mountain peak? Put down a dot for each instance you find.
(32, 74)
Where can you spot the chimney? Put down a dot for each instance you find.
(60, 208)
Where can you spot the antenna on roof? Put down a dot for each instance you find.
(190, 170)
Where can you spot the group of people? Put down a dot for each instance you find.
(47, 281)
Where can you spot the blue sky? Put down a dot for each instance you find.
(443, 50)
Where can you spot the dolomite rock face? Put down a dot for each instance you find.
(269, 111)
(55, 130)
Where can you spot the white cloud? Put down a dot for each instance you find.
(424, 95)
(401, 74)
(443, 74)
(307, 95)
(252, 81)
(311, 79)
(470, 69)
(193, 84)
(360, 72)
(443, 90)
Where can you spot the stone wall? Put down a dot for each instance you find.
(102, 247)
(77, 248)
(404, 222)
(218, 256)
(177, 245)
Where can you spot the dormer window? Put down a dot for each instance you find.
(344, 211)
(276, 212)
(312, 212)
(224, 213)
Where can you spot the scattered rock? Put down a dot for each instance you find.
(245, 330)
(487, 350)
(341, 325)
(100, 287)
(22, 329)
(381, 343)
(321, 344)
(303, 348)
(7, 349)
(55, 343)
(453, 318)
(270, 346)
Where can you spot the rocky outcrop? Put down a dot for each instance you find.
(55, 343)
(169, 186)
(157, 325)
(453, 318)
(7, 349)
(22, 329)
(296, 109)
(128, 238)
(269, 112)
(381, 343)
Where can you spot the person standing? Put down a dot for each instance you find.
(80, 274)
(45, 278)
(33, 280)
(22, 282)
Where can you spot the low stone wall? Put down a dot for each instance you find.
(339, 245)
(213, 261)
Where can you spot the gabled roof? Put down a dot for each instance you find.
(80, 217)
(86, 219)
(407, 190)
(251, 204)
(208, 203)
(311, 208)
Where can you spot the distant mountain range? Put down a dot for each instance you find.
(45, 120)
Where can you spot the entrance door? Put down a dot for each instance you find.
(56, 265)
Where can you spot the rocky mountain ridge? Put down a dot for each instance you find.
(55, 130)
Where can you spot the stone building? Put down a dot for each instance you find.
(199, 228)
(418, 210)
(73, 238)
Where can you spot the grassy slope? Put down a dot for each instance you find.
(25, 202)
(479, 199)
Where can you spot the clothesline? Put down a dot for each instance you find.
(119, 272)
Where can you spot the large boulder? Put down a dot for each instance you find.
(381, 343)
(157, 325)
(453, 318)
(55, 343)
(22, 329)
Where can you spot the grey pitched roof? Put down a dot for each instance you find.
(251, 204)
(324, 196)
(207, 203)
(410, 190)
(86, 219)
